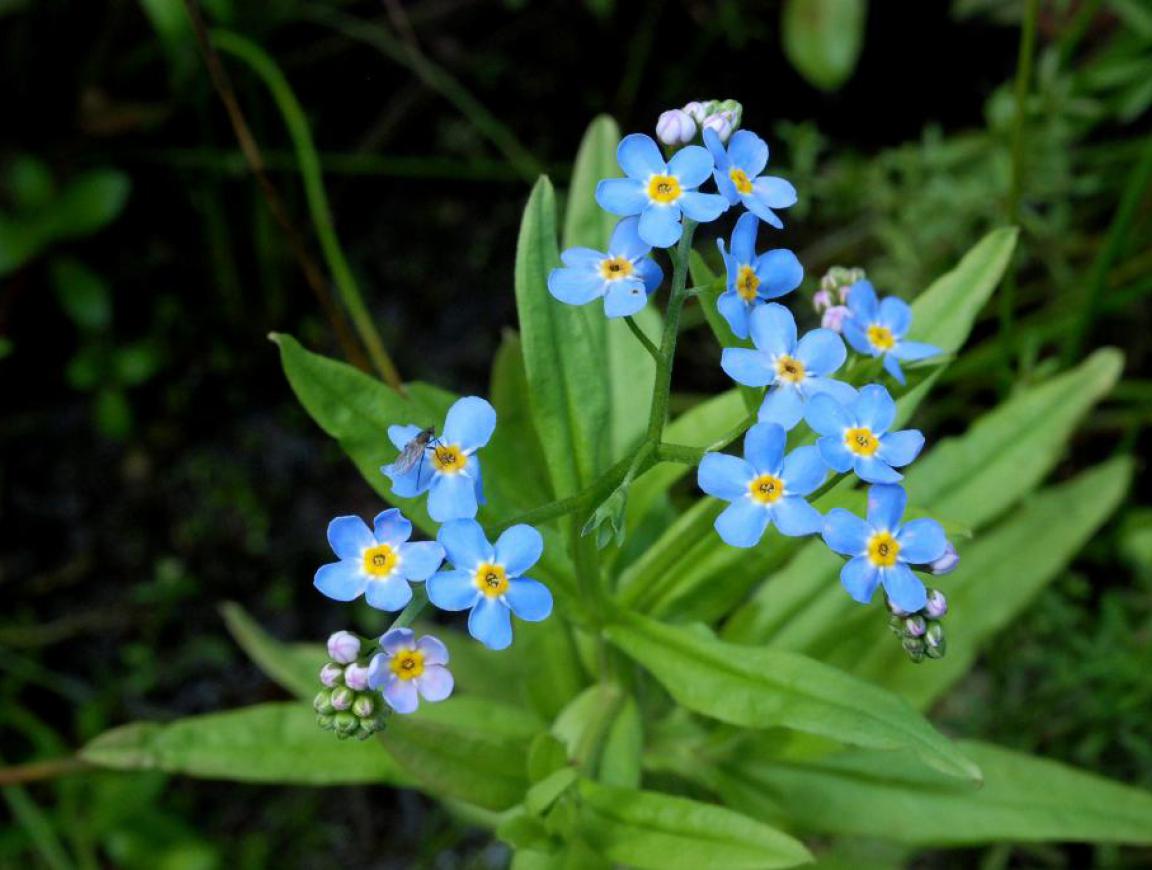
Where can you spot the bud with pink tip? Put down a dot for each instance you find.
(675, 128)
(356, 677)
(822, 301)
(331, 674)
(834, 317)
(344, 646)
(697, 111)
(947, 563)
(937, 605)
(722, 123)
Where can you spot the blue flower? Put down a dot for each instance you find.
(625, 275)
(796, 370)
(448, 469)
(764, 487)
(410, 669)
(489, 580)
(738, 175)
(376, 562)
(855, 435)
(878, 329)
(881, 549)
(753, 279)
(658, 191)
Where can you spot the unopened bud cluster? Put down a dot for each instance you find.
(831, 300)
(678, 127)
(921, 633)
(345, 705)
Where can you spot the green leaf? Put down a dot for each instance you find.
(763, 688)
(296, 667)
(30, 185)
(278, 743)
(547, 791)
(586, 225)
(621, 759)
(1022, 799)
(87, 204)
(508, 393)
(465, 748)
(823, 39)
(82, 293)
(660, 831)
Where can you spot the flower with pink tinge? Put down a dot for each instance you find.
(410, 669)
(834, 318)
(343, 647)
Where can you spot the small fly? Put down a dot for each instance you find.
(413, 452)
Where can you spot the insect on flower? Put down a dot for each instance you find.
(413, 452)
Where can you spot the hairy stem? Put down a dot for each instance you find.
(659, 411)
(642, 338)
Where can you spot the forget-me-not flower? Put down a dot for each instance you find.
(624, 275)
(658, 191)
(753, 279)
(738, 175)
(377, 562)
(877, 328)
(764, 487)
(881, 548)
(449, 470)
(410, 669)
(855, 435)
(489, 580)
(795, 370)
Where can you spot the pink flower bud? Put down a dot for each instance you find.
(356, 677)
(696, 110)
(344, 646)
(331, 674)
(947, 563)
(722, 123)
(834, 317)
(822, 301)
(675, 127)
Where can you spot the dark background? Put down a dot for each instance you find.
(159, 465)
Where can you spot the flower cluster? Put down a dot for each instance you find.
(807, 379)
(345, 705)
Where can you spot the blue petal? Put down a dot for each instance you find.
(726, 187)
(748, 151)
(349, 537)
(582, 258)
(575, 286)
(624, 298)
(649, 271)
(622, 196)
(342, 581)
(904, 588)
(783, 405)
(773, 329)
(742, 523)
(860, 579)
(529, 599)
(774, 192)
(896, 315)
(702, 207)
(391, 593)
(822, 352)
(470, 423)
(912, 351)
(436, 683)
(464, 544)
(626, 241)
(843, 393)
(764, 447)
(875, 470)
(744, 238)
(827, 416)
(412, 482)
(862, 301)
(474, 471)
(401, 694)
(804, 470)
(452, 497)
(886, 506)
(749, 367)
(759, 209)
(735, 311)
(921, 541)
(518, 549)
(779, 271)
(856, 335)
(660, 225)
(834, 453)
(420, 560)
(794, 517)
(874, 408)
(900, 448)
(396, 639)
(845, 533)
(724, 476)
(401, 435)
(692, 165)
(452, 590)
(640, 157)
(892, 366)
(490, 623)
(391, 527)
(716, 148)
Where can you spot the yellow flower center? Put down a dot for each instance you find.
(861, 441)
(880, 337)
(766, 489)
(740, 179)
(747, 283)
(449, 458)
(883, 550)
(664, 189)
(789, 369)
(407, 664)
(491, 579)
(614, 268)
(380, 561)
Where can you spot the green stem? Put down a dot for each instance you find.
(264, 67)
(659, 410)
(642, 338)
(413, 609)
